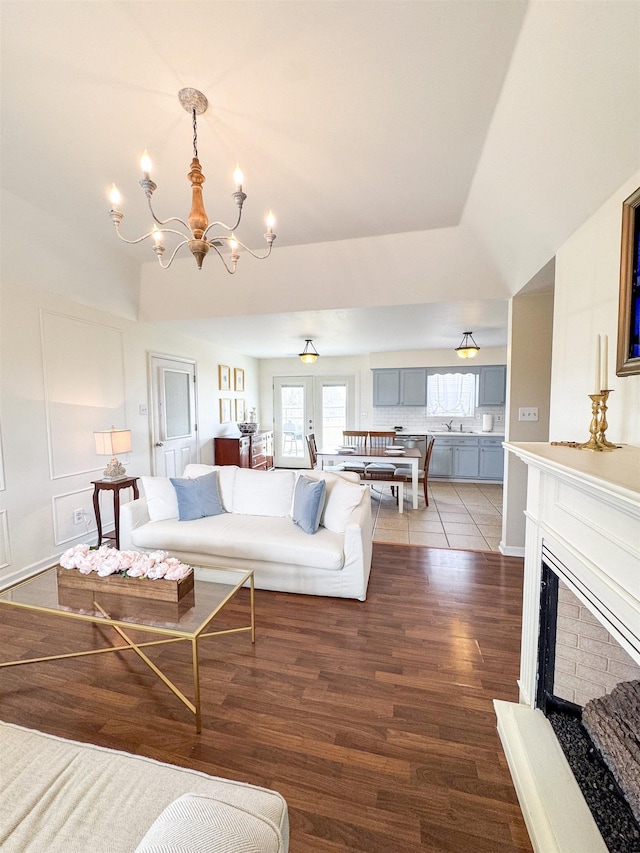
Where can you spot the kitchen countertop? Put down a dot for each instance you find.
(453, 432)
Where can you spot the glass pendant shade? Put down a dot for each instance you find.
(309, 354)
(468, 347)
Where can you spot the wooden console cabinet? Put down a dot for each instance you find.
(246, 451)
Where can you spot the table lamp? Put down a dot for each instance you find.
(109, 443)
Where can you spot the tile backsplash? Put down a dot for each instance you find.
(415, 419)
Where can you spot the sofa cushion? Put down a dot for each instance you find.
(264, 539)
(162, 502)
(199, 497)
(342, 499)
(201, 824)
(308, 503)
(263, 492)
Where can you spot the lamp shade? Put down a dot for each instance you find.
(112, 441)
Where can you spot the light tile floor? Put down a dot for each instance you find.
(459, 515)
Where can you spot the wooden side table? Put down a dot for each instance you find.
(114, 486)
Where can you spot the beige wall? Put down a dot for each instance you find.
(586, 304)
(528, 384)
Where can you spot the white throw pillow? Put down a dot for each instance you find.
(342, 499)
(162, 502)
(196, 469)
(200, 824)
(263, 492)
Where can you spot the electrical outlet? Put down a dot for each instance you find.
(144, 409)
(498, 419)
(78, 516)
(529, 413)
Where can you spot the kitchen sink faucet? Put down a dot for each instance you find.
(448, 426)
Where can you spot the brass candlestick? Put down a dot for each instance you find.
(594, 426)
(602, 438)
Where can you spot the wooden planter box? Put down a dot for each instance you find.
(159, 590)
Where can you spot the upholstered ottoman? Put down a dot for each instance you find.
(61, 796)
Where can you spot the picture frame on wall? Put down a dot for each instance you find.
(238, 378)
(628, 360)
(225, 410)
(241, 410)
(224, 377)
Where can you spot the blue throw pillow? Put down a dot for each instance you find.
(308, 503)
(198, 498)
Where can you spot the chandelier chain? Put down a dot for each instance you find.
(195, 135)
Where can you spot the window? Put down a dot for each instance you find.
(451, 394)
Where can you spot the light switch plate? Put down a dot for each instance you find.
(530, 413)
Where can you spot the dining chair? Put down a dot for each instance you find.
(312, 447)
(358, 439)
(380, 440)
(405, 470)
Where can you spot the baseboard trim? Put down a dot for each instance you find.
(510, 550)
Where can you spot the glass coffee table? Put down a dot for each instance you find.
(186, 620)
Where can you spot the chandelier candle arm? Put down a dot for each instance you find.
(198, 225)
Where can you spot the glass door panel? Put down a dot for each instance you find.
(293, 404)
(322, 405)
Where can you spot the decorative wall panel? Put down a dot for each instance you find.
(5, 553)
(84, 386)
(66, 532)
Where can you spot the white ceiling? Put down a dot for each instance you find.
(353, 331)
(352, 120)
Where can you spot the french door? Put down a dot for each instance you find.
(324, 405)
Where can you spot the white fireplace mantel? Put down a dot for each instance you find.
(583, 510)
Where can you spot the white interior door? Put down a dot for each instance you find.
(173, 423)
(324, 405)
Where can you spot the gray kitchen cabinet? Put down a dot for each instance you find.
(467, 457)
(493, 385)
(413, 386)
(455, 457)
(491, 462)
(465, 460)
(441, 464)
(386, 387)
(400, 387)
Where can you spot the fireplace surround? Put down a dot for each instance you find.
(582, 519)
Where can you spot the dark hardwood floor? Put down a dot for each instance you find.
(374, 719)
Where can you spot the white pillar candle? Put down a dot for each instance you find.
(598, 371)
(604, 384)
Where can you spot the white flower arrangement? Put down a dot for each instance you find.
(106, 561)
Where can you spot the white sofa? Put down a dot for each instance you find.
(61, 796)
(256, 530)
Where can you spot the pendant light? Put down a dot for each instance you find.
(467, 349)
(309, 354)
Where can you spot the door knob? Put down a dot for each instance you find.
(159, 443)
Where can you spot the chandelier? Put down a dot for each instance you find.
(466, 349)
(198, 238)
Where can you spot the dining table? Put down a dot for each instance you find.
(369, 455)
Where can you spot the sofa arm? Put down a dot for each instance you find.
(133, 514)
(358, 546)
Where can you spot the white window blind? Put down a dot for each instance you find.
(451, 394)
